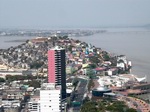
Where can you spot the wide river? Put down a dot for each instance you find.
(134, 43)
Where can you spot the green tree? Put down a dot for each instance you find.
(65, 37)
(77, 41)
(89, 107)
(33, 83)
(106, 57)
(118, 106)
(70, 48)
(101, 106)
(94, 60)
(92, 66)
(2, 79)
(86, 99)
(10, 78)
(36, 65)
(131, 110)
(91, 84)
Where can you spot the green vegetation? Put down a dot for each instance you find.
(78, 41)
(106, 105)
(65, 37)
(89, 107)
(2, 79)
(131, 110)
(92, 66)
(117, 106)
(10, 78)
(91, 84)
(36, 65)
(106, 56)
(70, 48)
(121, 71)
(90, 72)
(94, 60)
(86, 99)
(33, 83)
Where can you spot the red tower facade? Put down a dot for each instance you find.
(57, 68)
(51, 66)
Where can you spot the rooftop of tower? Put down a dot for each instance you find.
(50, 86)
(56, 48)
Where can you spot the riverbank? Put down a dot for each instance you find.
(77, 52)
(133, 44)
(8, 41)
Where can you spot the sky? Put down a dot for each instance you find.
(73, 13)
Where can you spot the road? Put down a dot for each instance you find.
(79, 95)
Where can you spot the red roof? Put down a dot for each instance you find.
(100, 68)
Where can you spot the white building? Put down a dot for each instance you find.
(123, 58)
(50, 98)
(121, 65)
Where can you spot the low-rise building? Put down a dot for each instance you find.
(34, 104)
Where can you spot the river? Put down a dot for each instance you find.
(8, 41)
(134, 43)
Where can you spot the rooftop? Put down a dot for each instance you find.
(110, 94)
(56, 48)
(102, 88)
(50, 86)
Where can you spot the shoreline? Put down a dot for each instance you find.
(140, 56)
(123, 57)
(19, 40)
(137, 68)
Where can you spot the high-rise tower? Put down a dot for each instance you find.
(57, 68)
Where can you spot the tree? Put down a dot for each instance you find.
(65, 37)
(86, 99)
(2, 79)
(118, 106)
(92, 66)
(106, 105)
(36, 65)
(27, 41)
(77, 41)
(91, 84)
(106, 57)
(70, 48)
(131, 110)
(33, 83)
(101, 107)
(10, 78)
(89, 107)
(94, 60)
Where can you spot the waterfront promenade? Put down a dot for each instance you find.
(136, 103)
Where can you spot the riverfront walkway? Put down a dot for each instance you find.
(142, 105)
(137, 104)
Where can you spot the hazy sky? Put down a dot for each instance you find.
(73, 13)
